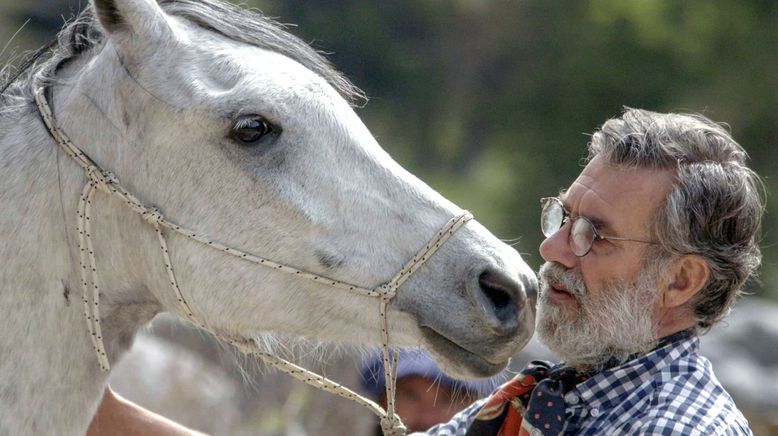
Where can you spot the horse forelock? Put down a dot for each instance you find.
(248, 26)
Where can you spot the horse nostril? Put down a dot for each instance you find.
(504, 294)
(494, 291)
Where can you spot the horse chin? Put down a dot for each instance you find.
(457, 361)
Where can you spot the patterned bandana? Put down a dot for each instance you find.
(529, 403)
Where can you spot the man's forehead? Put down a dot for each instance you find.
(617, 196)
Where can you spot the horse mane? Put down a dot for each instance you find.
(249, 26)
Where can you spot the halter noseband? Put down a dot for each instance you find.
(99, 179)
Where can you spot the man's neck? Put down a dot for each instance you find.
(674, 320)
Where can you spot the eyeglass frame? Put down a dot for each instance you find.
(568, 216)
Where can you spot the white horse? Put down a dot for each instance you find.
(237, 129)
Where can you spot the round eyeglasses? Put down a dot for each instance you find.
(582, 232)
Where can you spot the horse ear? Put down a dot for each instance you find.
(137, 18)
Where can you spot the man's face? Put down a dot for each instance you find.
(603, 304)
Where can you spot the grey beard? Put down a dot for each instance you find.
(601, 331)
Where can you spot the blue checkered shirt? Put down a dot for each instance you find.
(670, 391)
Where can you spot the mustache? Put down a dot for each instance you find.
(554, 274)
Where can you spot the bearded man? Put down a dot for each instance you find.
(645, 251)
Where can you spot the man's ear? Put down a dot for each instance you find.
(685, 277)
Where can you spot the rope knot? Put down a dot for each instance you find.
(101, 179)
(386, 291)
(393, 426)
(153, 216)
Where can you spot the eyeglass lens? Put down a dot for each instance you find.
(581, 234)
(552, 217)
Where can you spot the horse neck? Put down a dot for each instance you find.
(50, 382)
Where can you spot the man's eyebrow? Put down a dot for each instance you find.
(600, 224)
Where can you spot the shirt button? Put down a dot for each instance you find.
(571, 398)
(595, 412)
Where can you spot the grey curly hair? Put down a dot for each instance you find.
(715, 207)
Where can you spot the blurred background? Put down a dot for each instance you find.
(491, 103)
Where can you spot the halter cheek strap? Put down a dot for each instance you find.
(99, 179)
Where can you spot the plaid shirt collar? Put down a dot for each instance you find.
(608, 387)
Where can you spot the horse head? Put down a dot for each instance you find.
(235, 128)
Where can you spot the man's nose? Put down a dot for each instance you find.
(556, 248)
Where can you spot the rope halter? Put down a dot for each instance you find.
(99, 179)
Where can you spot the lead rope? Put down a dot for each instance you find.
(106, 182)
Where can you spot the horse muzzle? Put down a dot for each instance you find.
(474, 321)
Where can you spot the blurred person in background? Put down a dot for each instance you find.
(425, 395)
(645, 251)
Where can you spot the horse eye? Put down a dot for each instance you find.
(251, 128)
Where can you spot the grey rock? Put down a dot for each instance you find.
(744, 352)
